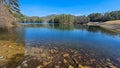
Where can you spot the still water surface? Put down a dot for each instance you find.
(59, 46)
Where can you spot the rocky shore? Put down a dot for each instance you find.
(13, 55)
(55, 57)
(10, 53)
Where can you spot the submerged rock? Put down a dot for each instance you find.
(24, 62)
(25, 65)
(43, 55)
(66, 55)
(40, 66)
(112, 66)
(75, 60)
(45, 63)
(56, 66)
(18, 67)
(2, 58)
(70, 66)
(81, 66)
(65, 61)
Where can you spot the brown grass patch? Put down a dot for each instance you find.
(113, 22)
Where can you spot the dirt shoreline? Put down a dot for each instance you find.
(113, 26)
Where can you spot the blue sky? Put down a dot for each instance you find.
(76, 7)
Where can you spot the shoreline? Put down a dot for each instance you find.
(114, 27)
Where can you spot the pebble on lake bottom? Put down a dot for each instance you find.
(81, 66)
(56, 66)
(40, 66)
(2, 58)
(70, 66)
(65, 61)
(66, 58)
(66, 55)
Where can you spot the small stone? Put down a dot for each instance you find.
(48, 57)
(56, 66)
(1, 58)
(40, 66)
(40, 50)
(45, 63)
(59, 62)
(24, 62)
(18, 67)
(112, 66)
(43, 55)
(65, 61)
(70, 66)
(75, 61)
(26, 51)
(71, 50)
(81, 66)
(55, 48)
(66, 55)
(10, 46)
(25, 65)
(92, 60)
(19, 48)
(108, 59)
(52, 51)
(75, 52)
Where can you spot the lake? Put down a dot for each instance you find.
(59, 46)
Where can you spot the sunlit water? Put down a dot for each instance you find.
(63, 46)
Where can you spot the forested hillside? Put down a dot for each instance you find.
(7, 18)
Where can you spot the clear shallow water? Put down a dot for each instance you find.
(55, 45)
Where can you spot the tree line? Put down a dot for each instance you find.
(94, 17)
(99, 17)
(69, 19)
(13, 7)
(8, 10)
(63, 18)
(33, 19)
